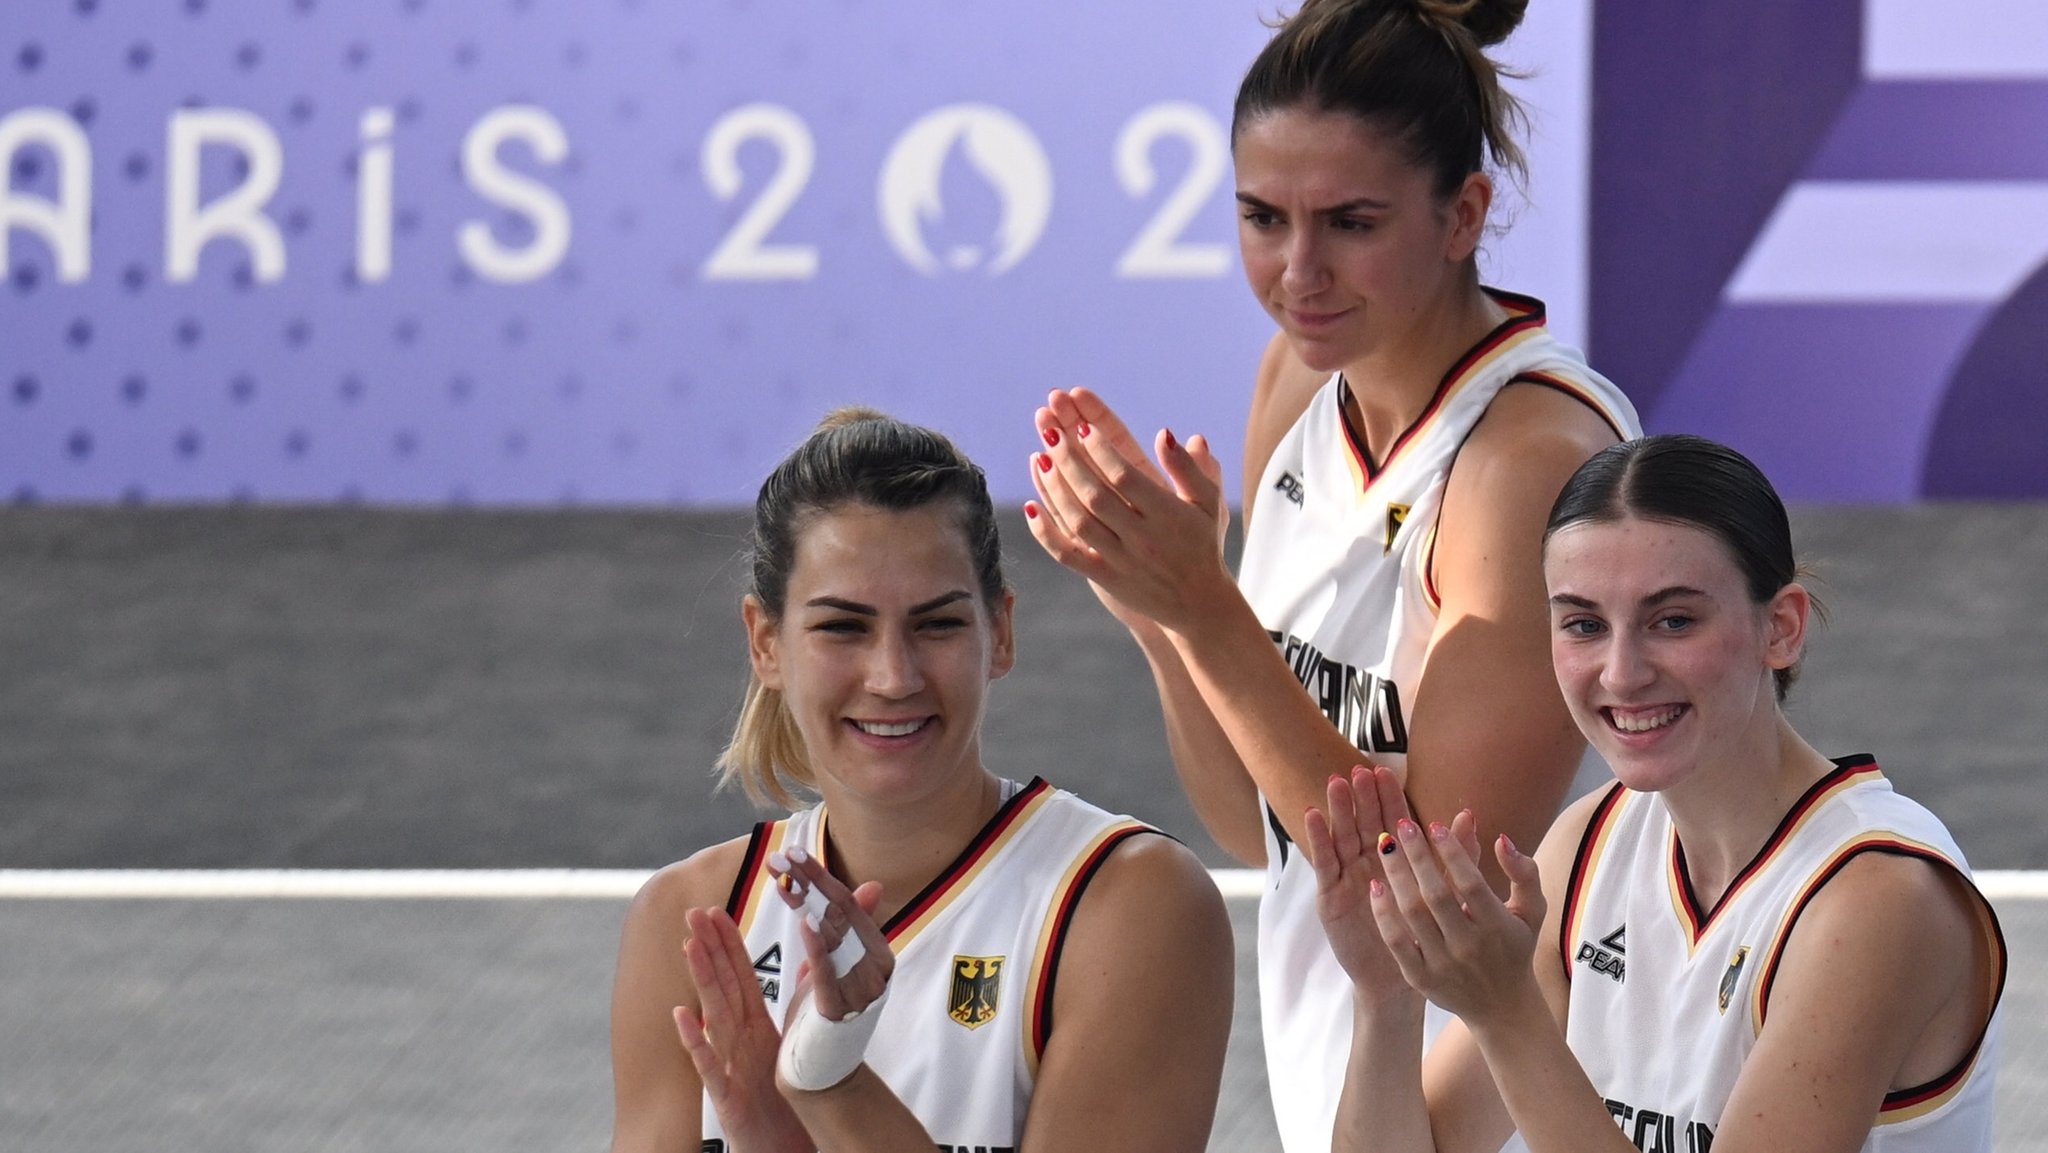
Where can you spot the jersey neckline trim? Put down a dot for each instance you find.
(1848, 773)
(1525, 314)
(934, 896)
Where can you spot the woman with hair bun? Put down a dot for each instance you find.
(1740, 945)
(1408, 430)
(931, 954)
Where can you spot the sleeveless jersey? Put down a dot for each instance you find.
(1337, 566)
(1667, 999)
(977, 959)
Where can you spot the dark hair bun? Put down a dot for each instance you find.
(1489, 21)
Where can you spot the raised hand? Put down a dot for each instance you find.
(1149, 538)
(1344, 845)
(1454, 939)
(731, 1040)
(804, 881)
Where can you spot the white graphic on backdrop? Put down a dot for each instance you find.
(1962, 39)
(745, 253)
(64, 224)
(1001, 150)
(1912, 241)
(538, 129)
(1159, 250)
(239, 215)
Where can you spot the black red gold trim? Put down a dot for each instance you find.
(934, 895)
(1591, 843)
(1057, 924)
(1525, 314)
(1919, 1100)
(750, 870)
(1570, 388)
(1848, 772)
(1546, 380)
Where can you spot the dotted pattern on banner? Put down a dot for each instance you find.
(621, 374)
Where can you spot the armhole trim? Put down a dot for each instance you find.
(750, 870)
(1052, 938)
(1900, 1104)
(1592, 845)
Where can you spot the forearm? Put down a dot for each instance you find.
(1554, 1105)
(1210, 770)
(1285, 743)
(1383, 1109)
(859, 1115)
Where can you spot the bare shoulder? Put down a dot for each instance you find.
(1532, 432)
(702, 879)
(1279, 396)
(1141, 1011)
(1149, 901)
(1887, 898)
(1561, 844)
(1506, 477)
(1155, 870)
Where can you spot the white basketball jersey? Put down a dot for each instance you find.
(977, 959)
(1337, 566)
(1667, 999)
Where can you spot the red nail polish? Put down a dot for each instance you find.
(1170, 442)
(1030, 511)
(1084, 430)
(1044, 463)
(1052, 437)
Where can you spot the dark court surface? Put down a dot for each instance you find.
(267, 688)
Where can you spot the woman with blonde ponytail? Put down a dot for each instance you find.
(1408, 429)
(752, 1005)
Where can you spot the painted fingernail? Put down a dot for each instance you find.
(1052, 437)
(1509, 842)
(778, 862)
(1378, 888)
(786, 883)
(1170, 442)
(1407, 828)
(1044, 463)
(799, 856)
(1030, 511)
(1386, 845)
(1438, 830)
(1084, 430)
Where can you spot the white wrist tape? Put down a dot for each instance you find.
(817, 1053)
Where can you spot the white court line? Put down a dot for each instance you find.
(491, 884)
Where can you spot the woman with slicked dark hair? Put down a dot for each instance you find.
(1409, 427)
(1020, 932)
(1739, 945)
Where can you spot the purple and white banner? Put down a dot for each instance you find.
(629, 251)
(1819, 233)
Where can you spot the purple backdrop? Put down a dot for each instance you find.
(534, 251)
(1817, 235)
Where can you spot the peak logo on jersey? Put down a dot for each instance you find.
(1291, 485)
(977, 983)
(1734, 971)
(1397, 515)
(1610, 956)
(768, 971)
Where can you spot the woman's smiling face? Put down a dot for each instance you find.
(885, 648)
(1662, 655)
